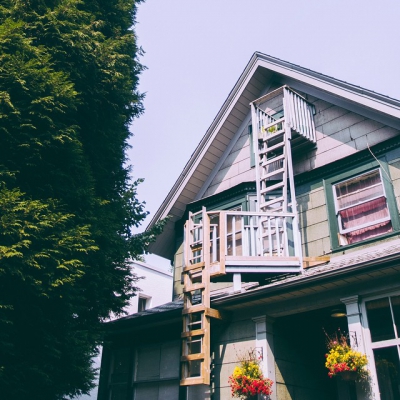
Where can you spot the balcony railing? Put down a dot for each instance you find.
(241, 241)
(297, 112)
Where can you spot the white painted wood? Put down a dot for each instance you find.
(237, 283)
(357, 341)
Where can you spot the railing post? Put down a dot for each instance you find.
(222, 241)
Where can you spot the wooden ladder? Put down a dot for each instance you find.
(195, 359)
(274, 174)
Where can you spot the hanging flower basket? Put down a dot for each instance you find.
(343, 361)
(348, 375)
(247, 380)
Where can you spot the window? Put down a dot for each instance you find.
(143, 303)
(384, 325)
(361, 204)
(157, 372)
(361, 208)
(119, 377)
(151, 371)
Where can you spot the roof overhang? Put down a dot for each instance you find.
(259, 73)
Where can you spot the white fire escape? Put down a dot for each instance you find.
(242, 242)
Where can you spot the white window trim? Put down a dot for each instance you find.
(148, 300)
(369, 345)
(365, 225)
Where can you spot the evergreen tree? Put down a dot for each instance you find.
(68, 91)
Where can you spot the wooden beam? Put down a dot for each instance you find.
(188, 268)
(314, 261)
(193, 357)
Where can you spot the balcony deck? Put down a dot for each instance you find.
(243, 242)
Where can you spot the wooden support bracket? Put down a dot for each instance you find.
(314, 261)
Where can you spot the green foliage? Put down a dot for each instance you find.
(68, 79)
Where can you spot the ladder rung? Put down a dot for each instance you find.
(188, 268)
(276, 172)
(270, 202)
(197, 380)
(194, 309)
(271, 135)
(193, 357)
(196, 286)
(196, 332)
(272, 160)
(272, 187)
(272, 148)
(209, 312)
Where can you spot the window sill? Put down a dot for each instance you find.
(365, 242)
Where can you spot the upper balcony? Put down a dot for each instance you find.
(242, 242)
(281, 107)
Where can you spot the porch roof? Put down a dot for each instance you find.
(378, 261)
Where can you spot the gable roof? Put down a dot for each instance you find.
(261, 71)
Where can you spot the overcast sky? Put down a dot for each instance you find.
(196, 50)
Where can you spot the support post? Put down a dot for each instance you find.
(265, 346)
(237, 283)
(367, 390)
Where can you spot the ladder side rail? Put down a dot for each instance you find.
(295, 223)
(205, 365)
(186, 247)
(206, 257)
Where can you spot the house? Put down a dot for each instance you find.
(283, 224)
(155, 288)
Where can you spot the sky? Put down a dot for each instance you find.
(195, 51)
